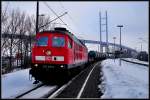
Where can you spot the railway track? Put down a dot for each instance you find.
(135, 62)
(41, 92)
(74, 88)
(20, 95)
(77, 87)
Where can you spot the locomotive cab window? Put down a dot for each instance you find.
(58, 41)
(42, 41)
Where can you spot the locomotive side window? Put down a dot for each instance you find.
(42, 41)
(58, 41)
(69, 44)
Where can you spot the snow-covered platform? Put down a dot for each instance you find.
(126, 81)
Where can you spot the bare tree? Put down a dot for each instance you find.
(43, 21)
(19, 23)
(15, 22)
(11, 26)
(4, 16)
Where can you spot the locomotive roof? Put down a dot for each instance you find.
(65, 32)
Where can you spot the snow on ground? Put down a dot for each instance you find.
(136, 60)
(16, 83)
(126, 81)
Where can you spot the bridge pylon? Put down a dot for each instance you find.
(103, 23)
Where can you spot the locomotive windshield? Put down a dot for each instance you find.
(58, 42)
(42, 41)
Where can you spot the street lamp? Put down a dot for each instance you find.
(41, 15)
(141, 46)
(120, 43)
(57, 23)
(114, 47)
(141, 42)
(53, 19)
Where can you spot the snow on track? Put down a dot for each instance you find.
(40, 92)
(16, 83)
(136, 61)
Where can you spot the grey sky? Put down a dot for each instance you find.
(85, 19)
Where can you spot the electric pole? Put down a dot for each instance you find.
(101, 49)
(37, 16)
(106, 33)
(114, 47)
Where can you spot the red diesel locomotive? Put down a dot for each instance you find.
(58, 51)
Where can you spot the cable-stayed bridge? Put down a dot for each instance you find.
(32, 38)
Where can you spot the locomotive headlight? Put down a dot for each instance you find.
(61, 66)
(36, 65)
(48, 52)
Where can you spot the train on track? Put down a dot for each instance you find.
(58, 51)
(95, 55)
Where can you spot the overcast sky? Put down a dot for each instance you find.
(83, 19)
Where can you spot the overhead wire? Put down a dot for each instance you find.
(69, 17)
(68, 13)
(56, 15)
